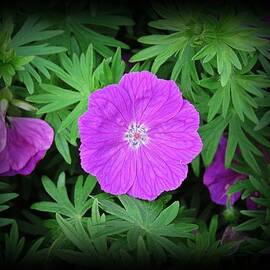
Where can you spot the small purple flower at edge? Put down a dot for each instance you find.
(138, 136)
(218, 179)
(23, 143)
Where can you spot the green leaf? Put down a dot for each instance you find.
(167, 215)
(264, 121)
(145, 219)
(81, 193)
(143, 255)
(118, 66)
(232, 141)
(61, 138)
(163, 57)
(239, 186)
(33, 29)
(62, 204)
(238, 137)
(249, 225)
(80, 240)
(62, 146)
(24, 46)
(84, 35)
(215, 104)
(211, 134)
(7, 197)
(213, 229)
(13, 245)
(34, 254)
(55, 97)
(147, 53)
(260, 185)
(196, 166)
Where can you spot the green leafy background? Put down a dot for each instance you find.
(53, 57)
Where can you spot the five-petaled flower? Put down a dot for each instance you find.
(23, 143)
(138, 136)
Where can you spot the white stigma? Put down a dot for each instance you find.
(136, 135)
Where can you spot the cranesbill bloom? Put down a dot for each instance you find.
(218, 178)
(23, 142)
(138, 136)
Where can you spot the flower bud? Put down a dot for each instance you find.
(230, 215)
(23, 105)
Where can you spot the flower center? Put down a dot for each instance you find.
(136, 135)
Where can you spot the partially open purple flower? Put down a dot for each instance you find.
(218, 178)
(138, 136)
(23, 142)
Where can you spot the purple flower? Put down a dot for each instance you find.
(218, 178)
(23, 142)
(138, 136)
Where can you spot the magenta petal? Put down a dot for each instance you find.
(118, 174)
(3, 132)
(113, 164)
(218, 178)
(30, 165)
(110, 108)
(27, 141)
(103, 151)
(154, 100)
(156, 174)
(178, 136)
(4, 162)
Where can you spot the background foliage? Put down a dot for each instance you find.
(52, 57)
